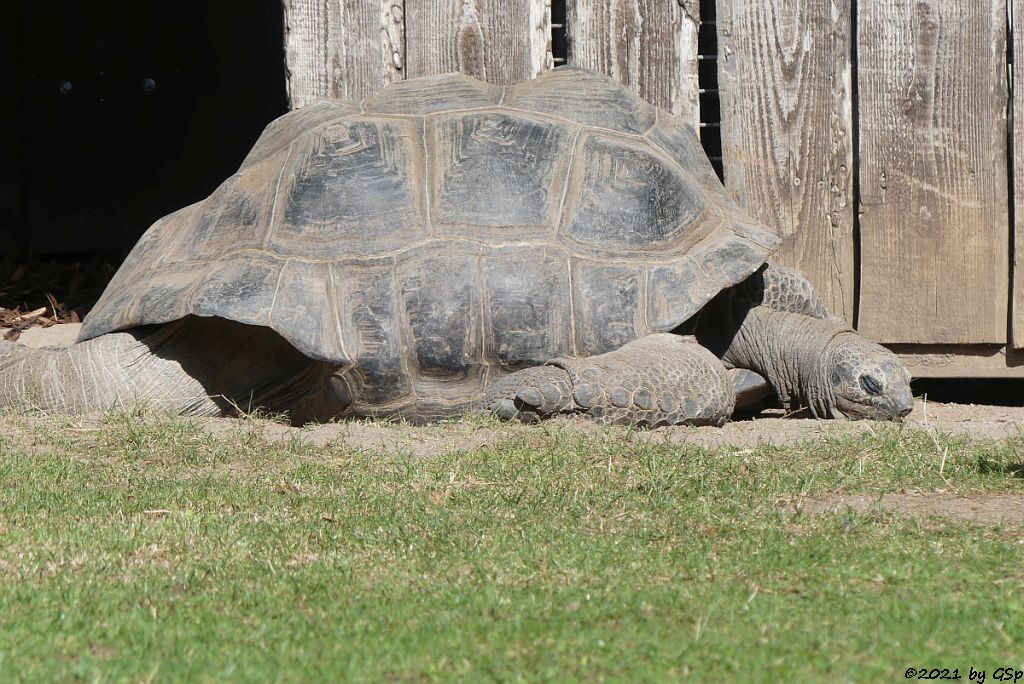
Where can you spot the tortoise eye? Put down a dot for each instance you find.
(870, 384)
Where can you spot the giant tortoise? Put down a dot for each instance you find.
(555, 246)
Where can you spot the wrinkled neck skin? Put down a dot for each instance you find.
(791, 351)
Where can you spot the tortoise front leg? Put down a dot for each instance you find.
(660, 379)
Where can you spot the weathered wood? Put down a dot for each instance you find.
(648, 45)
(934, 207)
(1017, 83)
(785, 85)
(960, 360)
(342, 49)
(493, 40)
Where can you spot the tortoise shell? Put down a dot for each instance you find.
(447, 231)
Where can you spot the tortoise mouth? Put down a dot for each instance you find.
(885, 409)
(851, 410)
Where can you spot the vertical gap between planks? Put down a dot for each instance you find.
(855, 166)
(559, 48)
(405, 42)
(1011, 178)
(710, 108)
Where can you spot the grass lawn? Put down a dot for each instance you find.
(149, 549)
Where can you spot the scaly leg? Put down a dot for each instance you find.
(661, 379)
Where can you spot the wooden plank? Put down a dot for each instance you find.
(493, 40)
(785, 87)
(1017, 85)
(934, 206)
(648, 45)
(960, 360)
(342, 49)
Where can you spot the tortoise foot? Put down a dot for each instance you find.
(531, 394)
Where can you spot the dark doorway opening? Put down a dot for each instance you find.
(122, 111)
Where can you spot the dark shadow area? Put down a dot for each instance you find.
(559, 44)
(41, 291)
(992, 391)
(707, 77)
(122, 111)
(247, 369)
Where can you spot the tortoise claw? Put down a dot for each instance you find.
(549, 397)
(530, 394)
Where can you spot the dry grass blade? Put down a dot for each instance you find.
(54, 306)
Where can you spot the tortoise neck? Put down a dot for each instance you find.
(789, 350)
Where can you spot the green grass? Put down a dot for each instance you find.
(149, 550)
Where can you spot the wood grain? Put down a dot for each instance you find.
(494, 40)
(1017, 84)
(960, 360)
(934, 206)
(785, 86)
(648, 45)
(342, 49)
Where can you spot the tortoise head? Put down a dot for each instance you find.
(858, 378)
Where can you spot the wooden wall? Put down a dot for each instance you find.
(872, 134)
(353, 49)
(648, 45)
(787, 135)
(1017, 152)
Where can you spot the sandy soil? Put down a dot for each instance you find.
(983, 509)
(988, 422)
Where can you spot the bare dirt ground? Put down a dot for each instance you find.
(983, 509)
(978, 421)
(770, 428)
